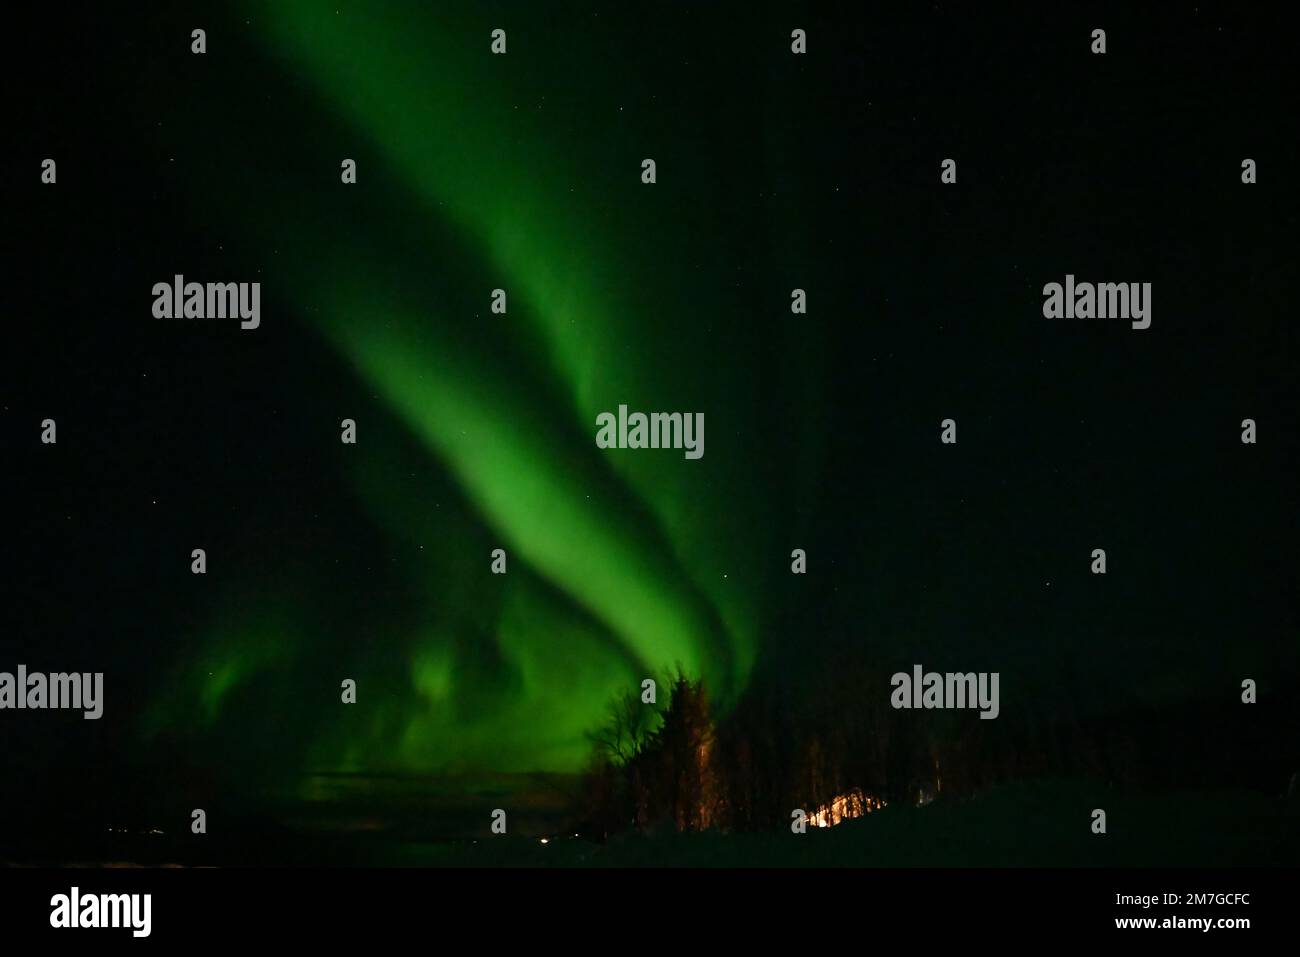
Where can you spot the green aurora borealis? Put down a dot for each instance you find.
(476, 431)
(622, 565)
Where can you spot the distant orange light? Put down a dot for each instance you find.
(844, 807)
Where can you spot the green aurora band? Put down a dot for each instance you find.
(623, 564)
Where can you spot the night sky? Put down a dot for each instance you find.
(475, 431)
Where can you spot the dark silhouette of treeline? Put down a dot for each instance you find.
(676, 766)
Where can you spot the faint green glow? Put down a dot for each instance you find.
(245, 646)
